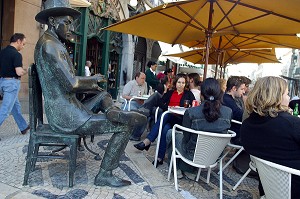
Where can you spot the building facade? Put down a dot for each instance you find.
(115, 55)
(18, 16)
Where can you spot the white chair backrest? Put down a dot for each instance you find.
(209, 145)
(275, 178)
(125, 102)
(237, 122)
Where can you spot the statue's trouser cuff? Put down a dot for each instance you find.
(115, 149)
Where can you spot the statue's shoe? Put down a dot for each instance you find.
(110, 180)
(125, 117)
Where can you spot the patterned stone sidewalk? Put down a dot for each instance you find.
(50, 179)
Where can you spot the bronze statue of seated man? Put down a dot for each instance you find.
(65, 113)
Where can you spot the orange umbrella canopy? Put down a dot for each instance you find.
(233, 56)
(243, 41)
(185, 21)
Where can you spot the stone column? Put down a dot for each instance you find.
(127, 57)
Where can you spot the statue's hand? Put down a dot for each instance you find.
(100, 78)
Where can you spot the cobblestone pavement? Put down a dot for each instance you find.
(192, 189)
(50, 178)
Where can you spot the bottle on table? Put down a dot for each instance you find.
(296, 110)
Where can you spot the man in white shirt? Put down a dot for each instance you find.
(135, 87)
(88, 64)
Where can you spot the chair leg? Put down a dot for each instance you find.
(175, 171)
(221, 179)
(92, 138)
(198, 175)
(242, 178)
(72, 161)
(170, 168)
(34, 156)
(29, 162)
(208, 175)
(233, 157)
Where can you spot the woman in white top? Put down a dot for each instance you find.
(194, 85)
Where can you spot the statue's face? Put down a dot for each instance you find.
(64, 27)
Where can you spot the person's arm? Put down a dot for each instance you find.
(20, 71)
(126, 91)
(165, 100)
(60, 65)
(18, 64)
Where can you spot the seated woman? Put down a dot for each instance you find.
(210, 116)
(270, 132)
(174, 97)
(194, 85)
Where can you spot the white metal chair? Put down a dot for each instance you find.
(251, 167)
(240, 149)
(208, 150)
(275, 178)
(125, 102)
(233, 146)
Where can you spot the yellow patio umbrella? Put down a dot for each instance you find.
(184, 21)
(80, 3)
(233, 56)
(247, 41)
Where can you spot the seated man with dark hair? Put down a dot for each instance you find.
(235, 88)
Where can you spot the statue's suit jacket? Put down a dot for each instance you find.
(65, 113)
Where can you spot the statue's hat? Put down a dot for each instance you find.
(56, 8)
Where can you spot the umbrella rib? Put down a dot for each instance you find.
(242, 22)
(249, 53)
(170, 5)
(226, 15)
(192, 18)
(272, 34)
(275, 43)
(238, 45)
(231, 57)
(230, 41)
(264, 10)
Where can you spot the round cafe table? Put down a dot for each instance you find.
(142, 97)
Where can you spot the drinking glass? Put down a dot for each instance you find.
(186, 103)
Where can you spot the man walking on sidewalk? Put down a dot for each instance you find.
(11, 70)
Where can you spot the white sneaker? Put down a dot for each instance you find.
(263, 197)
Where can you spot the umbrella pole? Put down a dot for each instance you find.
(217, 64)
(206, 58)
(208, 36)
(223, 65)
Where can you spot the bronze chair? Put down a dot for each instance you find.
(42, 135)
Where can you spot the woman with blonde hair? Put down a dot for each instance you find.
(271, 132)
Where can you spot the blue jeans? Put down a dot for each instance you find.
(10, 104)
(133, 105)
(168, 122)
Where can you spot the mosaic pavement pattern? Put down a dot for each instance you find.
(246, 190)
(50, 179)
